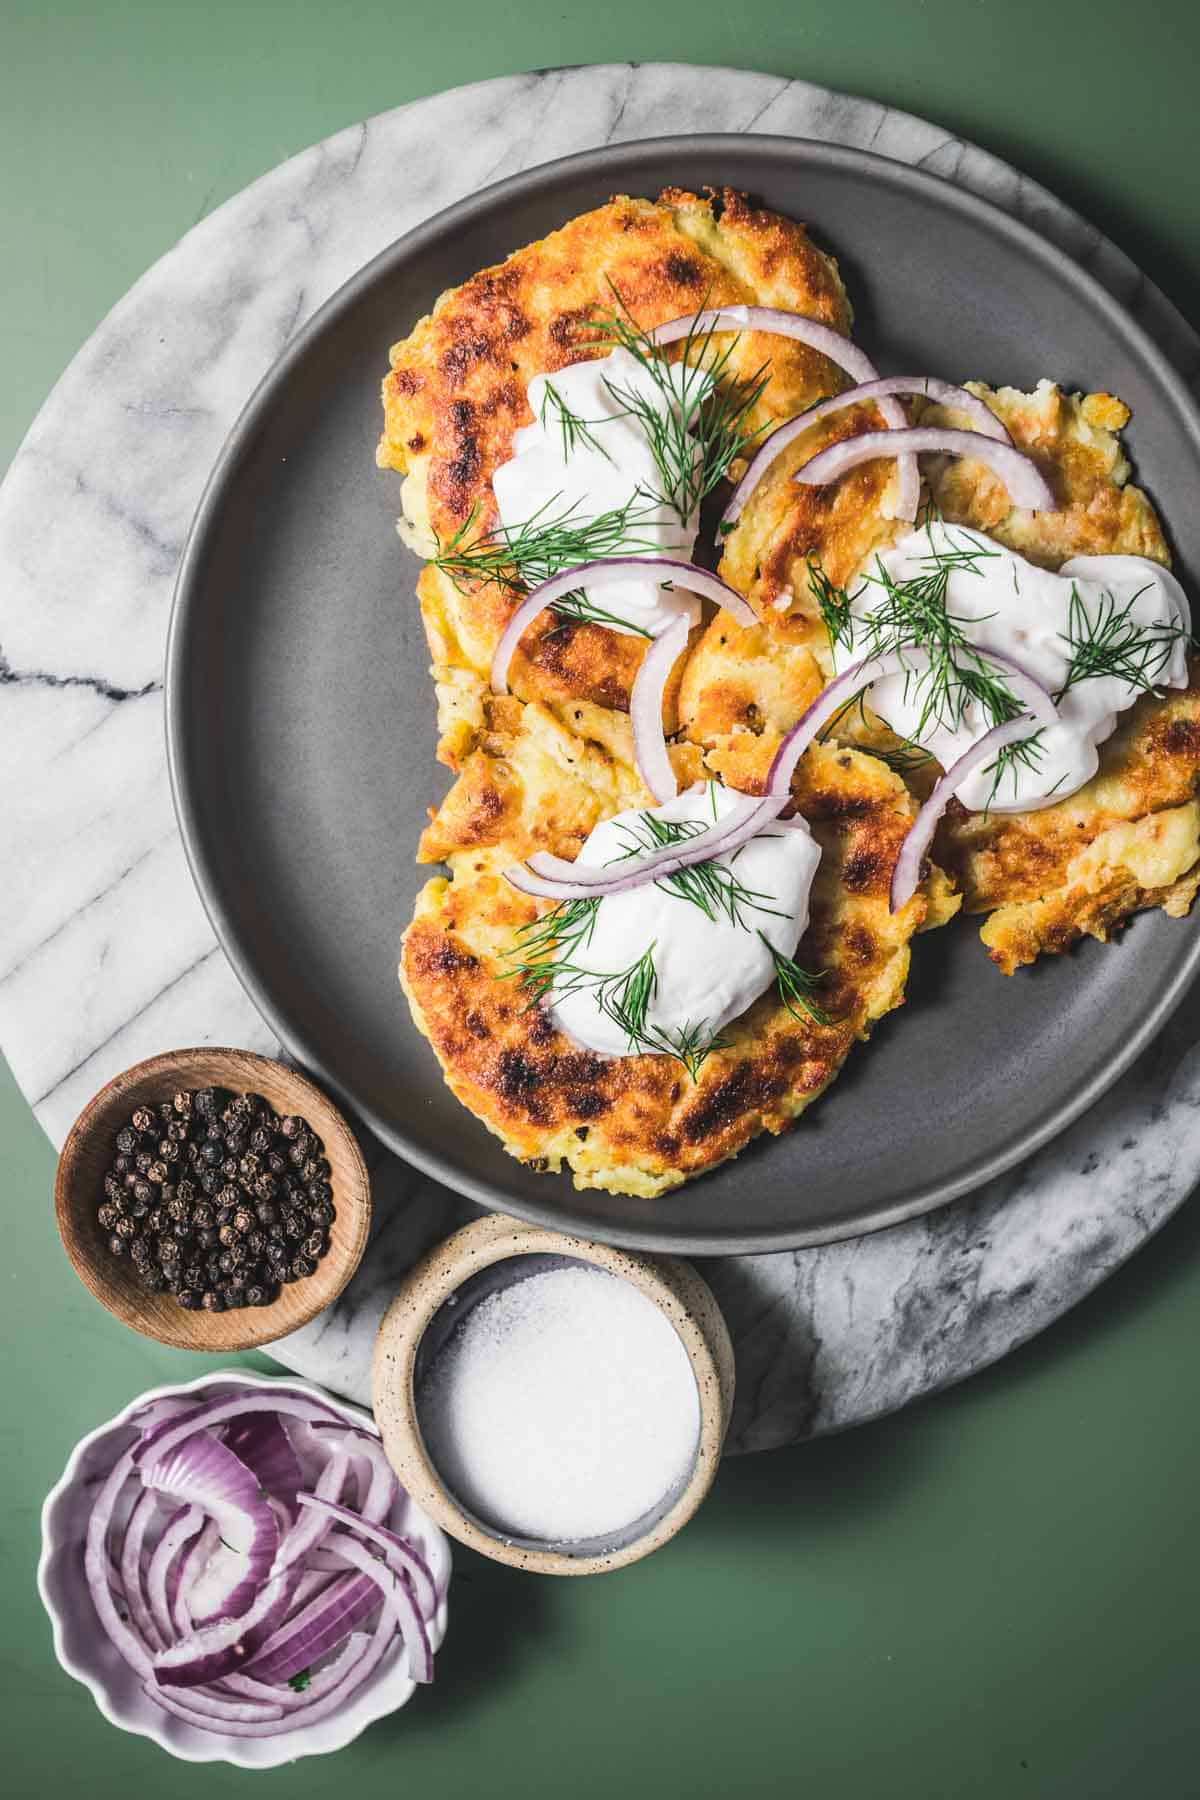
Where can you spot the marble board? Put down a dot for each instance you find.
(106, 955)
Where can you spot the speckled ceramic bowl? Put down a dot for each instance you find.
(85, 1652)
(482, 1258)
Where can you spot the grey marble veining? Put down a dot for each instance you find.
(105, 952)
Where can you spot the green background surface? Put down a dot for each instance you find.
(994, 1594)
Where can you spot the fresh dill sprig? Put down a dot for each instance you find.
(714, 887)
(1115, 644)
(796, 986)
(574, 430)
(904, 758)
(558, 935)
(544, 963)
(700, 424)
(522, 556)
(577, 608)
(834, 603)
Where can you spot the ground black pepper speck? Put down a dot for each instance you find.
(216, 1199)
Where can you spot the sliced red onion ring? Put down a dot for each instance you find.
(165, 1436)
(645, 711)
(179, 1532)
(664, 569)
(398, 1552)
(943, 392)
(333, 1672)
(193, 1559)
(1026, 484)
(333, 1697)
(553, 878)
(906, 876)
(380, 1496)
(829, 343)
(130, 1575)
(310, 1527)
(828, 703)
(215, 1650)
(317, 1629)
(261, 1442)
(397, 1598)
(203, 1471)
(96, 1566)
(232, 1718)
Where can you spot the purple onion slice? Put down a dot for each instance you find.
(830, 343)
(668, 571)
(645, 711)
(927, 386)
(906, 876)
(1026, 484)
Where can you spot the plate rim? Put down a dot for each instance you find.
(275, 1010)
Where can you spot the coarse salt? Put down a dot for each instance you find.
(563, 1407)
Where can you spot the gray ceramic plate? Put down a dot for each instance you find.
(301, 718)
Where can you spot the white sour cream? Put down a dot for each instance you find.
(708, 971)
(599, 471)
(1016, 608)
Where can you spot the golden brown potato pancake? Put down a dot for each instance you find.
(639, 1124)
(1131, 837)
(456, 393)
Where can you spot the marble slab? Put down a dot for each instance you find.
(105, 953)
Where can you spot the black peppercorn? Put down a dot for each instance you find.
(177, 1209)
(297, 1151)
(178, 1132)
(207, 1237)
(122, 1165)
(127, 1141)
(204, 1101)
(193, 1274)
(276, 1164)
(143, 1121)
(166, 1112)
(116, 1245)
(302, 1266)
(236, 1281)
(295, 1224)
(249, 1166)
(266, 1212)
(204, 1215)
(211, 1301)
(139, 1205)
(291, 1126)
(112, 1187)
(182, 1104)
(142, 1161)
(157, 1172)
(152, 1279)
(260, 1141)
(277, 1255)
(168, 1251)
(168, 1191)
(229, 1234)
(257, 1295)
(314, 1245)
(243, 1220)
(126, 1229)
(141, 1252)
(265, 1186)
(210, 1181)
(108, 1216)
(210, 1152)
(156, 1219)
(256, 1242)
(181, 1231)
(320, 1191)
(189, 1297)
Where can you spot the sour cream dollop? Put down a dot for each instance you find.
(707, 971)
(1005, 603)
(608, 466)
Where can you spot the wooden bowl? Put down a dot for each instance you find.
(674, 1286)
(88, 1153)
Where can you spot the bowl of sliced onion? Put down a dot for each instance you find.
(233, 1570)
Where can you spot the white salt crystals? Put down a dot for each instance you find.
(563, 1407)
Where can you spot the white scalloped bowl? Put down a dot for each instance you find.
(85, 1652)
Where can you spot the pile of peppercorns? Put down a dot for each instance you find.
(216, 1199)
